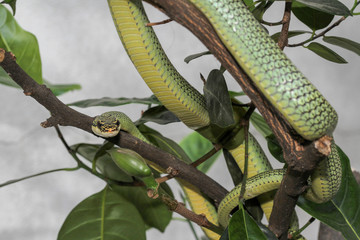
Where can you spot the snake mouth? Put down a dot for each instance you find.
(110, 132)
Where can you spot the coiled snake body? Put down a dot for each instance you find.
(286, 88)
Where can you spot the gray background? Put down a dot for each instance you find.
(79, 44)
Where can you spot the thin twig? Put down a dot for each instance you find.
(180, 208)
(320, 34)
(158, 23)
(283, 38)
(208, 155)
(271, 24)
(298, 232)
(36, 175)
(196, 163)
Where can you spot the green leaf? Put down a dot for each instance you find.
(333, 7)
(196, 146)
(153, 211)
(21, 43)
(291, 34)
(159, 115)
(104, 215)
(59, 89)
(342, 212)
(104, 162)
(164, 143)
(112, 102)
(12, 4)
(236, 94)
(195, 56)
(243, 226)
(325, 52)
(260, 124)
(218, 100)
(6, 80)
(261, 8)
(344, 43)
(274, 148)
(312, 18)
(225, 235)
(233, 167)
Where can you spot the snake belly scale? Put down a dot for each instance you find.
(293, 96)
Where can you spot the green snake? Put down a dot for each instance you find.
(299, 103)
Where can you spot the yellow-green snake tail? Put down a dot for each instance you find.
(294, 97)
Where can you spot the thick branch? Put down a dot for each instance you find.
(63, 115)
(298, 153)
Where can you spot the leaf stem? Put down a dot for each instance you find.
(315, 36)
(298, 232)
(208, 155)
(37, 174)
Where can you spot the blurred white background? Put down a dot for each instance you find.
(79, 44)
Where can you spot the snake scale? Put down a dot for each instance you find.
(299, 103)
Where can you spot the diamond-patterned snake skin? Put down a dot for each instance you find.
(285, 87)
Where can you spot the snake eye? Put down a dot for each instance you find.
(117, 123)
(99, 125)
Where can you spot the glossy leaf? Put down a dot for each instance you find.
(344, 43)
(21, 43)
(325, 52)
(312, 18)
(159, 115)
(196, 146)
(274, 148)
(195, 56)
(218, 100)
(333, 7)
(12, 4)
(105, 215)
(6, 80)
(234, 170)
(233, 94)
(164, 143)
(59, 89)
(243, 226)
(153, 211)
(260, 124)
(112, 102)
(259, 10)
(291, 34)
(104, 162)
(225, 235)
(342, 212)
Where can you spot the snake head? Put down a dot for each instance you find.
(106, 125)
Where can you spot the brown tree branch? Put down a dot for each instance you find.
(65, 116)
(199, 219)
(301, 155)
(283, 38)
